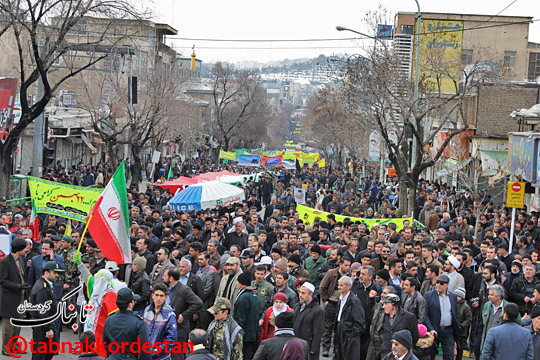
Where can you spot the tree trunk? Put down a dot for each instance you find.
(111, 153)
(136, 172)
(402, 197)
(6, 166)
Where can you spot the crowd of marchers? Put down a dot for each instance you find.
(252, 280)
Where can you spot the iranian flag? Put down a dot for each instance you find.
(108, 219)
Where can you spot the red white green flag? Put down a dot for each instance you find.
(108, 220)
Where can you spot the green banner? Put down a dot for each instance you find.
(308, 215)
(69, 201)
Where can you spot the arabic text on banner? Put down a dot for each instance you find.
(72, 202)
(308, 215)
(227, 155)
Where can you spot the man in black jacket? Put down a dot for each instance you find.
(140, 285)
(184, 302)
(199, 339)
(308, 317)
(350, 321)
(369, 293)
(43, 292)
(271, 349)
(13, 290)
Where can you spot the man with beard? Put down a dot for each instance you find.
(308, 316)
(379, 262)
(184, 302)
(228, 287)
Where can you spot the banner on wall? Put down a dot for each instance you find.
(308, 215)
(249, 160)
(71, 202)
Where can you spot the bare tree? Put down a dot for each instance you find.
(330, 125)
(383, 98)
(238, 99)
(119, 122)
(40, 31)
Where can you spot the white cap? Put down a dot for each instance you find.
(112, 266)
(309, 286)
(237, 220)
(266, 260)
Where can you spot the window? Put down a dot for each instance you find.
(534, 66)
(82, 27)
(406, 29)
(509, 58)
(466, 57)
(68, 99)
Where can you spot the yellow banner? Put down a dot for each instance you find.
(308, 159)
(289, 155)
(308, 215)
(321, 163)
(440, 54)
(71, 202)
(227, 155)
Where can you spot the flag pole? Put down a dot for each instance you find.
(84, 232)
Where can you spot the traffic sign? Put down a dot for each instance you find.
(515, 195)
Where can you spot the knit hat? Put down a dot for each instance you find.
(281, 296)
(355, 266)
(285, 320)
(281, 264)
(404, 338)
(295, 258)
(518, 263)
(535, 312)
(461, 292)
(140, 261)
(316, 248)
(384, 274)
(18, 244)
(245, 278)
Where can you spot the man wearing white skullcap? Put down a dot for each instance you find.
(308, 317)
(456, 279)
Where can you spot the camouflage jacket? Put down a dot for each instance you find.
(71, 276)
(226, 339)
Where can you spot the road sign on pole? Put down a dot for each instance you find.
(515, 194)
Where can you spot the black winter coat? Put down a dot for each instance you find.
(141, 287)
(11, 281)
(271, 349)
(307, 325)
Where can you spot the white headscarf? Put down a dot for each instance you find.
(104, 282)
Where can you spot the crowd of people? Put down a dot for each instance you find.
(252, 281)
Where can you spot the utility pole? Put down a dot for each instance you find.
(39, 134)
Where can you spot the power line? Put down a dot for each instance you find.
(260, 40)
